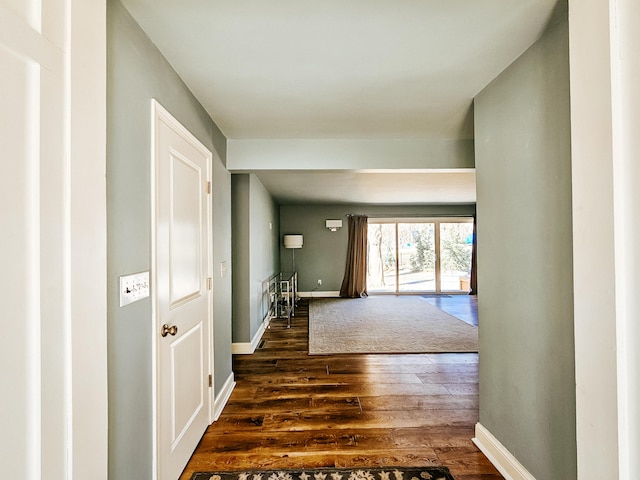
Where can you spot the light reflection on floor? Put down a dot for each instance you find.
(464, 307)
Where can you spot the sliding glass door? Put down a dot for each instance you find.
(456, 241)
(381, 258)
(419, 256)
(416, 257)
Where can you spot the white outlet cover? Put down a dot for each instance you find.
(133, 287)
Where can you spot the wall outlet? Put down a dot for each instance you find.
(133, 288)
(319, 282)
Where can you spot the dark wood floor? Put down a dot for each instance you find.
(292, 410)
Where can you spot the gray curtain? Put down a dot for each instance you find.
(354, 283)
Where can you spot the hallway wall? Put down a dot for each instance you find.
(137, 72)
(525, 268)
(256, 256)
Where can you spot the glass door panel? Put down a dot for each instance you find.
(381, 257)
(456, 241)
(416, 257)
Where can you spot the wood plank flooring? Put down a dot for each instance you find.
(292, 410)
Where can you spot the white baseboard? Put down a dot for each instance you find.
(316, 294)
(223, 397)
(502, 459)
(247, 348)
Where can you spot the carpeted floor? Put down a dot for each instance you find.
(386, 473)
(385, 324)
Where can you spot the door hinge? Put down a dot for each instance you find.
(210, 380)
(209, 283)
(208, 187)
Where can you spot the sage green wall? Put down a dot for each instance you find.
(349, 154)
(256, 256)
(525, 302)
(265, 254)
(137, 72)
(324, 253)
(240, 234)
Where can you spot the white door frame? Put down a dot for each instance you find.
(159, 112)
(54, 277)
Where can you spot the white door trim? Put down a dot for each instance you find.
(159, 113)
(54, 277)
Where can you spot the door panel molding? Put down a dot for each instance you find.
(186, 272)
(190, 343)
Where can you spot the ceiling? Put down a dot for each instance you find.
(374, 188)
(344, 69)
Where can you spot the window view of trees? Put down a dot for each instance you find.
(416, 256)
(381, 257)
(455, 247)
(423, 241)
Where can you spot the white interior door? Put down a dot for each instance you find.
(183, 306)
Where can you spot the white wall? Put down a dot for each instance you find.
(626, 123)
(606, 181)
(88, 239)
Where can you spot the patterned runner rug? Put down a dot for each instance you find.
(386, 324)
(387, 473)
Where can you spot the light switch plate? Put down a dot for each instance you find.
(134, 287)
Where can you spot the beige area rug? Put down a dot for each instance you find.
(386, 324)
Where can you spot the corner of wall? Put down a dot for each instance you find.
(499, 456)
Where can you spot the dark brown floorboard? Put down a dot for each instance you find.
(292, 410)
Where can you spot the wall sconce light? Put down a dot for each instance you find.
(334, 225)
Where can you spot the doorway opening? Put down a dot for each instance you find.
(421, 255)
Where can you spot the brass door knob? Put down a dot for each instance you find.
(167, 330)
